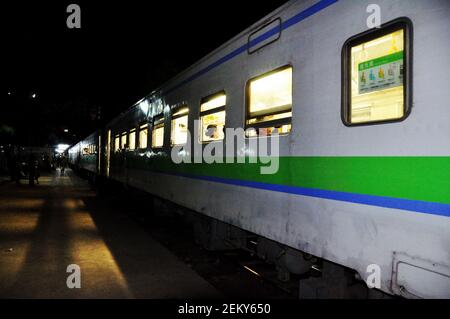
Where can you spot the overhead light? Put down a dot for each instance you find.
(66, 130)
(33, 95)
(61, 148)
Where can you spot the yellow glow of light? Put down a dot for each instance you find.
(21, 204)
(218, 101)
(218, 120)
(381, 104)
(14, 223)
(89, 251)
(179, 130)
(271, 93)
(116, 144)
(158, 136)
(252, 271)
(181, 111)
(124, 139)
(143, 136)
(132, 140)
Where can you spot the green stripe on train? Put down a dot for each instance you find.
(416, 178)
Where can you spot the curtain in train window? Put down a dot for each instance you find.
(376, 79)
(158, 133)
(143, 136)
(132, 139)
(269, 103)
(179, 126)
(212, 118)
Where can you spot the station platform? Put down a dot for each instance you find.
(46, 228)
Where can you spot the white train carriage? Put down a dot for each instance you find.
(83, 156)
(363, 119)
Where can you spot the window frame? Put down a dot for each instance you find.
(366, 36)
(222, 108)
(272, 122)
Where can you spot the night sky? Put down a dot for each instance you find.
(84, 77)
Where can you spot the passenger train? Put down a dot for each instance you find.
(362, 117)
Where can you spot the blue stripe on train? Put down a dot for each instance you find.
(285, 25)
(380, 201)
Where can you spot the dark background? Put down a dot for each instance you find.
(84, 77)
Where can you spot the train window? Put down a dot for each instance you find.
(376, 68)
(132, 139)
(158, 132)
(117, 143)
(179, 126)
(269, 103)
(143, 136)
(212, 117)
(123, 140)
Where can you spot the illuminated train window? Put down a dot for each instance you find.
(132, 139)
(117, 143)
(143, 136)
(377, 75)
(269, 103)
(158, 132)
(123, 140)
(179, 126)
(212, 117)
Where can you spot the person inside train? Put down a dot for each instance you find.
(212, 131)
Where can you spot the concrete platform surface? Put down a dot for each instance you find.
(46, 228)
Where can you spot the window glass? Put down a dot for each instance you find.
(270, 103)
(179, 129)
(132, 140)
(158, 133)
(213, 126)
(124, 140)
(116, 143)
(143, 136)
(271, 93)
(215, 102)
(212, 118)
(376, 78)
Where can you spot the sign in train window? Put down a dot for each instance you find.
(269, 103)
(143, 136)
(179, 126)
(132, 139)
(212, 117)
(377, 75)
(158, 132)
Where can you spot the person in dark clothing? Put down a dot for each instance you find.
(32, 168)
(63, 164)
